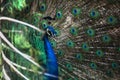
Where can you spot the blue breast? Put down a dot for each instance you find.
(52, 66)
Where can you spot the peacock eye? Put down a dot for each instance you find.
(93, 65)
(43, 7)
(106, 38)
(53, 43)
(111, 20)
(114, 65)
(79, 56)
(90, 32)
(99, 53)
(70, 43)
(85, 46)
(73, 31)
(59, 14)
(44, 24)
(94, 14)
(69, 66)
(60, 52)
(76, 11)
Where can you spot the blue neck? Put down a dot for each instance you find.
(52, 66)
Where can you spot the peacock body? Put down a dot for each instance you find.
(86, 43)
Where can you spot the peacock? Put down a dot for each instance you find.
(60, 40)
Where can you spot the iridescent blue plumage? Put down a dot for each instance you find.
(51, 66)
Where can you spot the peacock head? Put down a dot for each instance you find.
(50, 31)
